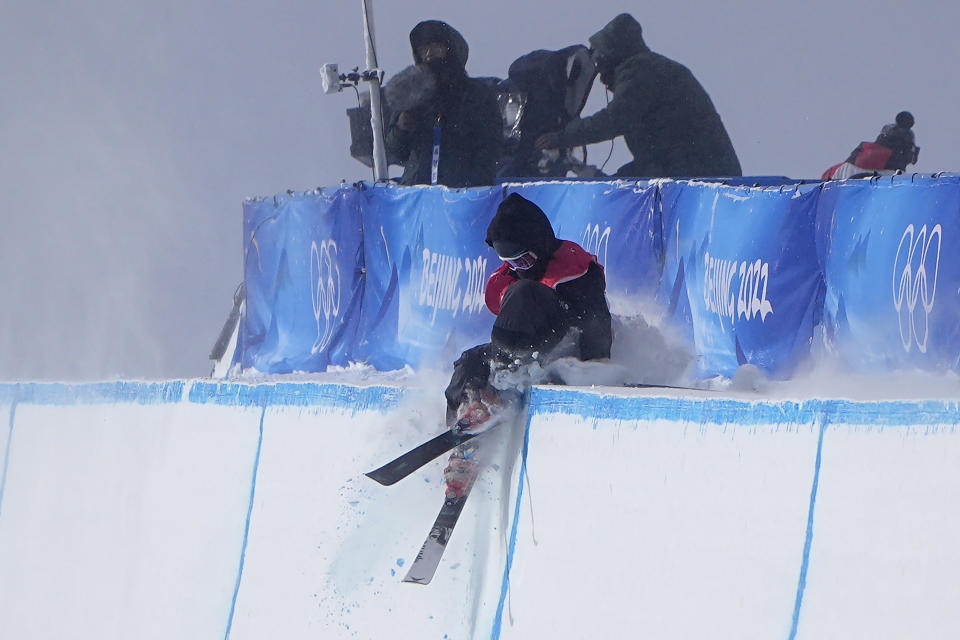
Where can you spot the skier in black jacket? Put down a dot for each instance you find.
(547, 293)
(545, 289)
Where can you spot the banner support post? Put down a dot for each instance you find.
(380, 173)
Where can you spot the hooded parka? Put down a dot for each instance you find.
(537, 307)
(464, 110)
(665, 116)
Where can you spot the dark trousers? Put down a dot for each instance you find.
(531, 319)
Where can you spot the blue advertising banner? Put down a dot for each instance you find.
(741, 264)
(426, 268)
(394, 276)
(303, 273)
(892, 298)
(615, 221)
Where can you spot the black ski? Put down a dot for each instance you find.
(402, 466)
(425, 566)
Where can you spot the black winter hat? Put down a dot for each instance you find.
(904, 119)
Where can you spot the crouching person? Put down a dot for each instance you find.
(550, 302)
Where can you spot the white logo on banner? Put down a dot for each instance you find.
(747, 298)
(596, 241)
(912, 284)
(451, 283)
(325, 291)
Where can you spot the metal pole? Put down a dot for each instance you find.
(376, 109)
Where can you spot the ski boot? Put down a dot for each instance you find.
(480, 411)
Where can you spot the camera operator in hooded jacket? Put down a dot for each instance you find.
(665, 116)
(462, 116)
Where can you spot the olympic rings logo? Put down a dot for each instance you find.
(914, 290)
(596, 241)
(325, 291)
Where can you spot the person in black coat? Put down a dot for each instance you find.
(663, 113)
(461, 118)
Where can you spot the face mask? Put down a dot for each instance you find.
(432, 51)
(443, 68)
(604, 69)
(607, 75)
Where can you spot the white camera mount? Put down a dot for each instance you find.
(334, 81)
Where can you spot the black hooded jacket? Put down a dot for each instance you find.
(564, 290)
(464, 108)
(571, 272)
(665, 116)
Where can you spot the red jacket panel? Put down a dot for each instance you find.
(872, 155)
(569, 262)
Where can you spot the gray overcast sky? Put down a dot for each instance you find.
(132, 130)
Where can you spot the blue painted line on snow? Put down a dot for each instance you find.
(587, 404)
(6, 454)
(721, 410)
(302, 394)
(512, 546)
(9, 391)
(808, 540)
(246, 528)
(298, 394)
(117, 391)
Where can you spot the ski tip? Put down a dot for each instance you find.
(413, 580)
(384, 480)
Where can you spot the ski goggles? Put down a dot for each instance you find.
(521, 262)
